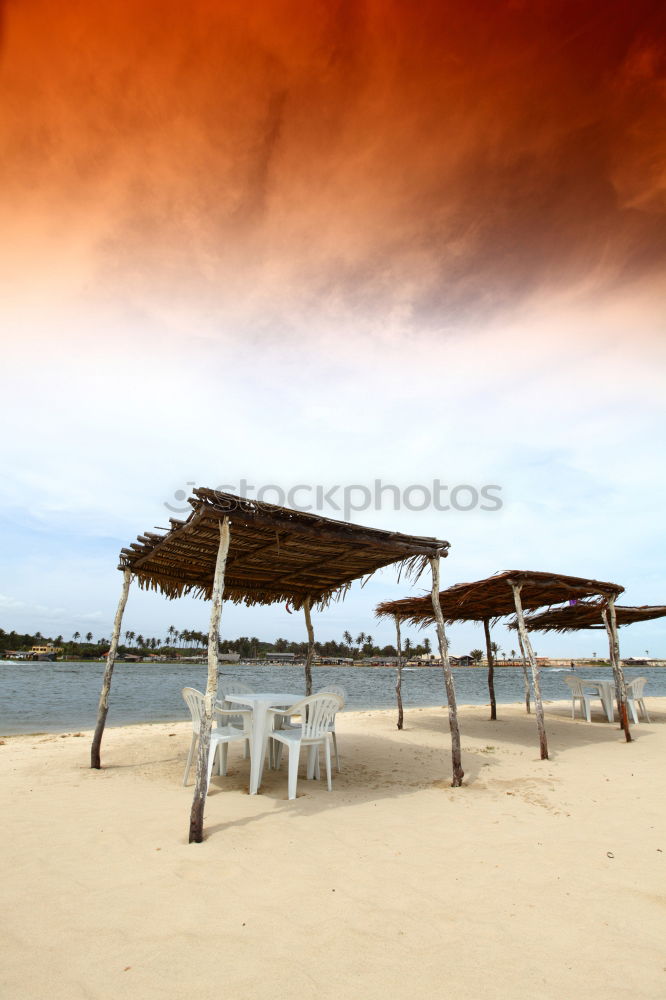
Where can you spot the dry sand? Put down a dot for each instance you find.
(537, 879)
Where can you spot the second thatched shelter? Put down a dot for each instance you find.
(501, 595)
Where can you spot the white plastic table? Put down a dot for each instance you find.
(605, 690)
(260, 703)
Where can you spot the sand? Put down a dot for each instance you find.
(537, 878)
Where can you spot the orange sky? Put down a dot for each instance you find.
(444, 158)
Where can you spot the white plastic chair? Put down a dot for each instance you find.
(341, 693)
(236, 687)
(584, 698)
(221, 736)
(317, 717)
(635, 698)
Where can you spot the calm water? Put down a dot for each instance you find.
(62, 697)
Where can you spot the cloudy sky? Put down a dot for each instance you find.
(327, 243)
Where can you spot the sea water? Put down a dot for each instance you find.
(63, 697)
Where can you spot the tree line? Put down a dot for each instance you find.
(189, 641)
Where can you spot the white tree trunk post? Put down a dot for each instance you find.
(491, 671)
(103, 706)
(610, 621)
(527, 645)
(398, 679)
(201, 783)
(458, 773)
(526, 679)
(311, 650)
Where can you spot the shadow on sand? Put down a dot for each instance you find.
(379, 764)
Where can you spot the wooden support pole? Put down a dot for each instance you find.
(103, 707)
(610, 621)
(201, 783)
(526, 679)
(527, 646)
(398, 679)
(311, 650)
(458, 773)
(491, 671)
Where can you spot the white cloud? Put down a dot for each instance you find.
(563, 407)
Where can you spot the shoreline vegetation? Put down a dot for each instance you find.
(187, 643)
(190, 646)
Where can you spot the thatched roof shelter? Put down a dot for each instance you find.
(588, 615)
(499, 596)
(275, 554)
(251, 552)
(492, 598)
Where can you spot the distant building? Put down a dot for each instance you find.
(431, 660)
(462, 661)
(44, 652)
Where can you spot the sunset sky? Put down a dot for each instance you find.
(324, 243)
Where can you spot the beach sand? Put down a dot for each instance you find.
(537, 878)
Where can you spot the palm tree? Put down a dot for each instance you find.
(89, 636)
(76, 636)
(360, 639)
(426, 644)
(368, 644)
(347, 639)
(513, 654)
(477, 655)
(407, 646)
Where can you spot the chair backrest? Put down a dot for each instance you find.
(574, 683)
(317, 713)
(195, 702)
(335, 689)
(235, 687)
(635, 687)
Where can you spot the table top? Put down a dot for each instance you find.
(266, 697)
